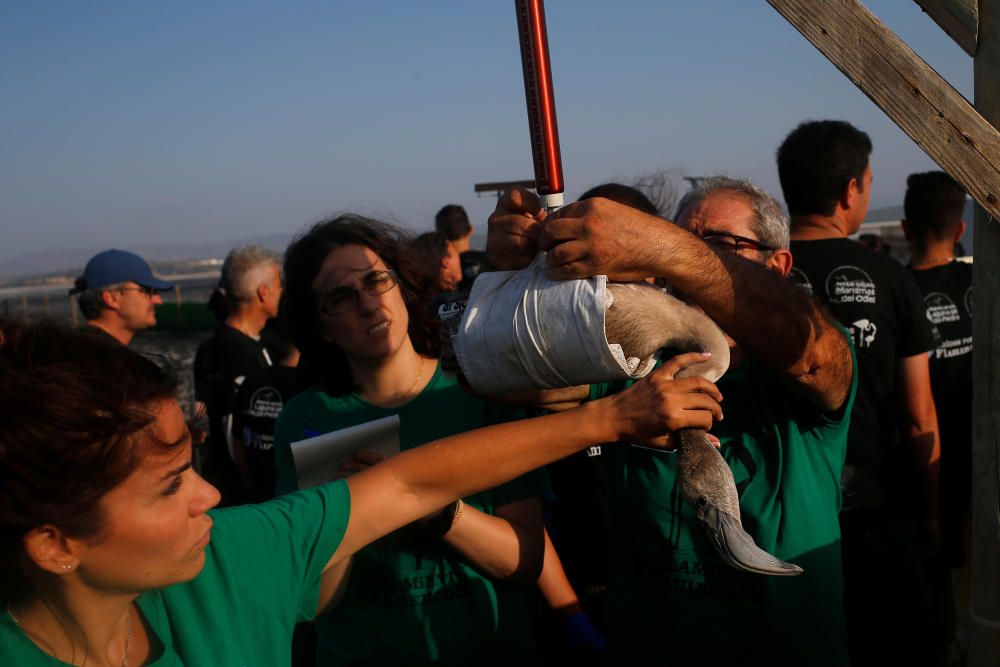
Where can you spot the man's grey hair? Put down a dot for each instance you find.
(244, 270)
(770, 224)
(91, 302)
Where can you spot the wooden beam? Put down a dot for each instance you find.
(907, 89)
(958, 18)
(984, 605)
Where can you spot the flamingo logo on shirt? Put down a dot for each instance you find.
(864, 331)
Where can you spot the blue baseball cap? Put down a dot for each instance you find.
(113, 267)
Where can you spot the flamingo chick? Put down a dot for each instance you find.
(644, 320)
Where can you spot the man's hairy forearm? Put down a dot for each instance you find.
(766, 314)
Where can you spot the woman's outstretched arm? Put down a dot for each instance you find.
(422, 480)
(507, 545)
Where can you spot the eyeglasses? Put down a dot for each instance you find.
(343, 299)
(733, 242)
(148, 291)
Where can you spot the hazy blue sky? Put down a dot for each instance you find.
(134, 122)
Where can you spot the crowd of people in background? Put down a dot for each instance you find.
(546, 528)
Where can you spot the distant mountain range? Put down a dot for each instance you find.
(163, 257)
(171, 256)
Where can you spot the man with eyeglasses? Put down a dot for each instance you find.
(118, 294)
(890, 476)
(786, 399)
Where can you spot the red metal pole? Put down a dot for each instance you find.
(540, 102)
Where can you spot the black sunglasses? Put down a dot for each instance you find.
(148, 291)
(734, 242)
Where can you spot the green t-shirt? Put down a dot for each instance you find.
(407, 604)
(261, 576)
(672, 600)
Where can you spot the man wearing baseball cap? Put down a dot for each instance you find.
(118, 294)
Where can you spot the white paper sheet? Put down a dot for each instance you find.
(318, 459)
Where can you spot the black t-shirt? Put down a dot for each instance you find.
(99, 332)
(947, 294)
(878, 301)
(202, 369)
(233, 355)
(259, 400)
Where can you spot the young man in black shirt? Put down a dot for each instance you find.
(933, 207)
(890, 475)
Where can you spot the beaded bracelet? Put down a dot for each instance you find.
(459, 506)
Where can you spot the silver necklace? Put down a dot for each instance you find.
(128, 631)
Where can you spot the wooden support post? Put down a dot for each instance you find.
(48, 306)
(984, 627)
(958, 18)
(907, 89)
(24, 307)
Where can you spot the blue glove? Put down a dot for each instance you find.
(580, 635)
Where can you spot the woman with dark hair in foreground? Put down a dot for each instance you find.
(109, 555)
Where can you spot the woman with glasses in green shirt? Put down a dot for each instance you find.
(455, 587)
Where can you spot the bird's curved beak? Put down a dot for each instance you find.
(735, 546)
